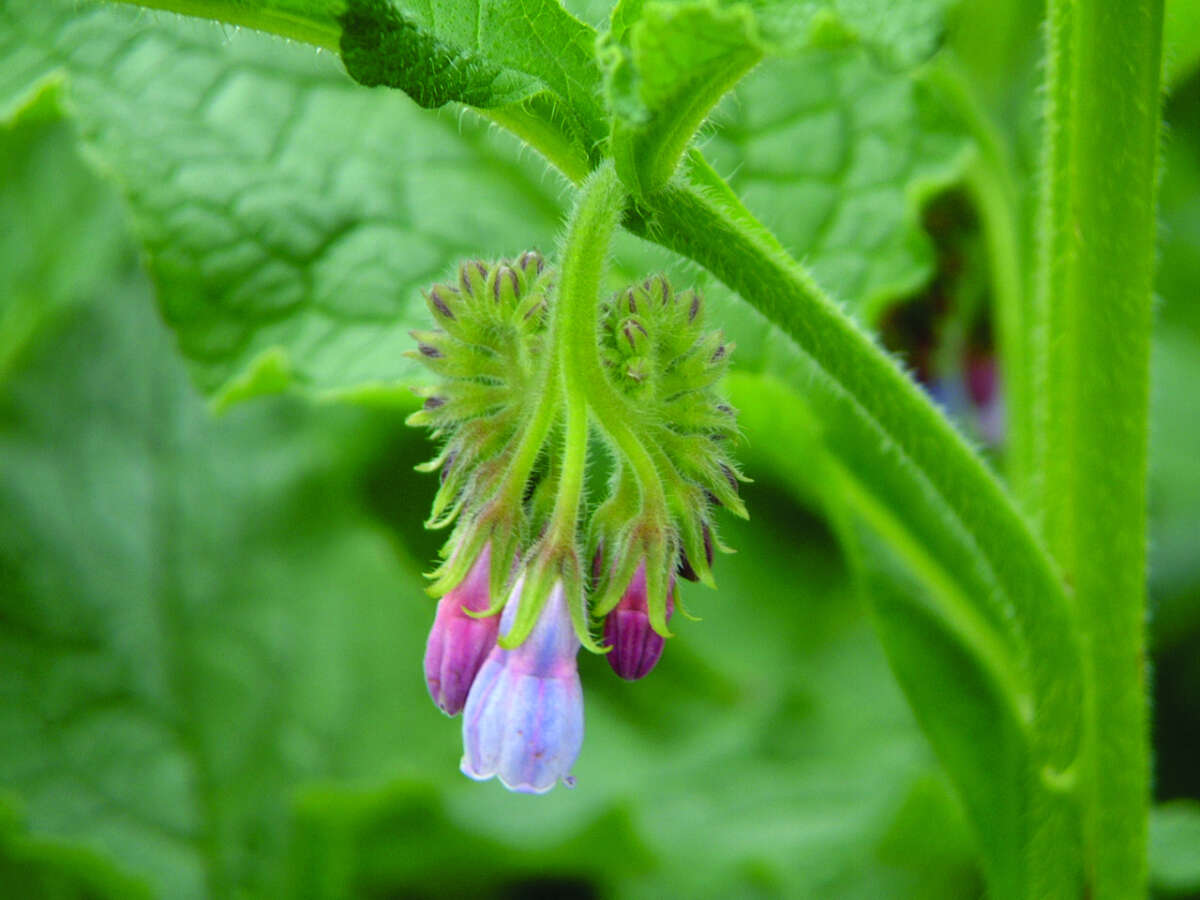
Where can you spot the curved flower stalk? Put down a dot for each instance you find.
(535, 371)
(523, 721)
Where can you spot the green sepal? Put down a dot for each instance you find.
(457, 564)
(659, 575)
(450, 403)
(538, 579)
(693, 544)
(432, 465)
(457, 359)
(576, 599)
(619, 565)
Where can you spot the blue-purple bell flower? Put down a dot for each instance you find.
(636, 647)
(458, 643)
(523, 722)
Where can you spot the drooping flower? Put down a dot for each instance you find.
(458, 643)
(512, 469)
(636, 647)
(523, 721)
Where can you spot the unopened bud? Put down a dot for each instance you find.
(472, 275)
(659, 289)
(458, 643)
(531, 264)
(633, 336)
(505, 286)
(439, 297)
(636, 646)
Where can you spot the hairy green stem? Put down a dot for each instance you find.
(533, 437)
(576, 307)
(544, 135)
(1091, 380)
(597, 213)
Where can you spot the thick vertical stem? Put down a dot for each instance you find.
(585, 251)
(1091, 376)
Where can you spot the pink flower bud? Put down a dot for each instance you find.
(458, 643)
(636, 647)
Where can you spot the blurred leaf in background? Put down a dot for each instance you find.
(210, 637)
(211, 627)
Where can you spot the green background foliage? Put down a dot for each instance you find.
(211, 622)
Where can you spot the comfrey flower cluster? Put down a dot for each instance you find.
(526, 396)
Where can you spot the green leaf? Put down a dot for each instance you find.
(902, 34)
(528, 61)
(664, 74)
(836, 156)
(38, 867)
(480, 52)
(180, 638)
(380, 45)
(50, 261)
(668, 63)
(289, 217)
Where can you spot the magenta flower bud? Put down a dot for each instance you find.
(636, 647)
(458, 643)
(523, 721)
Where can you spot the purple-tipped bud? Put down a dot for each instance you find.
(458, 643)
(630, 298)
(694, 308)
(472, 275)
(634, 334)
(438, 296)
(523, 721)
(531, 263)
(636, 647)
(506, 286)
(658, 287)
